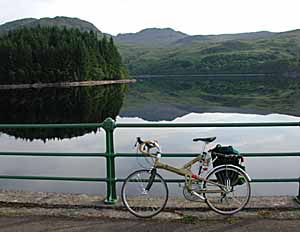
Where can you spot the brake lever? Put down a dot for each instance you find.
(138, 141)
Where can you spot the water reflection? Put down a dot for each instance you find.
(170, 97)
(279, 139)
(59, 105)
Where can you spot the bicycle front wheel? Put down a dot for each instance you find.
(144, 193)
(227, 190)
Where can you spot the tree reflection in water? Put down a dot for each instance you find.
(90, 104)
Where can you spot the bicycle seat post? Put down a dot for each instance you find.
(205, 141)
(203, 147)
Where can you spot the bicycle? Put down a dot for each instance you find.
(225, 188)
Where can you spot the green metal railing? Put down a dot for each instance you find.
(110, 125)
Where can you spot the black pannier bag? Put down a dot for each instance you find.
(229, 156)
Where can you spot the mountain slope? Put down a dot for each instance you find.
(257, 52)
(49, 22)
(152, 37)
(226, 37)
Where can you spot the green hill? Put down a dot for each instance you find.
(61, 22)
(224, 37)
(152, 37)
(257, 52)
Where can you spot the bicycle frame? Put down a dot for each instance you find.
(189, 175)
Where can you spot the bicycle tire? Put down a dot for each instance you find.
(238, 194)
(138, 200)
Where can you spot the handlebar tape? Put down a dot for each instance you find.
(139, 140)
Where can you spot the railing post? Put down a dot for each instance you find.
(111, 196)
(298, 197)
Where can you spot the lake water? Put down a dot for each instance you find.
(139, 102)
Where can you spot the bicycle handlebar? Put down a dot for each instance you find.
(145, 146)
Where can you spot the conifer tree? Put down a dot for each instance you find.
(51, 54)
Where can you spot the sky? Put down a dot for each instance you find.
(194, 17)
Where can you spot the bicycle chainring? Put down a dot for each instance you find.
(189, 196)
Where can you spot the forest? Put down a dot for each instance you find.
(53, 54)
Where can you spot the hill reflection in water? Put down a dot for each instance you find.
(58, 105)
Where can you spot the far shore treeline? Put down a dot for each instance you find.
(52, 54)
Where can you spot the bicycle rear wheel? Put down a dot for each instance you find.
(234, 193)
(144, 193)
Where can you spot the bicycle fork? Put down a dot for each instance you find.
(151, 180)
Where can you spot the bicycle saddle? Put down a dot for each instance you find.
(206, 140)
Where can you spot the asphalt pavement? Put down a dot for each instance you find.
(58, 224)
(38, 211)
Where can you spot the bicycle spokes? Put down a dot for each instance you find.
(139, 200)
(232, 197)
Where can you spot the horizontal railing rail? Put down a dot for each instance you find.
(62, 125)
(110, 125)
(53, 154)
(176, 125)
(180, 155)
(71, 178)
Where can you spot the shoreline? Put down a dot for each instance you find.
(66, 84)
(200, 75)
